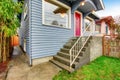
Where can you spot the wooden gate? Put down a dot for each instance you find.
(111, 47)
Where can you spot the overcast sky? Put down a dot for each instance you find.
(112, 8)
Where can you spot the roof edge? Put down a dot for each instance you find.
(102, 4)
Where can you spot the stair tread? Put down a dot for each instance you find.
(61, 65)
(65, 48)
(62, 58)
(68, 45)
(67, 54)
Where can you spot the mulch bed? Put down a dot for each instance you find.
(3, 67)
(3, 70)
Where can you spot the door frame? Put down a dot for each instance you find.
(80, 24)
(93, 22)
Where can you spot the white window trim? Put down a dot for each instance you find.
(93, 27)
(25, 11)
(69, 15)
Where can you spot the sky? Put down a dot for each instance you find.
(112, 8)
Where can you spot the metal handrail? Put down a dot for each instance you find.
(73, 57)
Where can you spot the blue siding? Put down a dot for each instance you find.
(42, 40)
(46, 40)
(24, 29)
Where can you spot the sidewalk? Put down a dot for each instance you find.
(19, 70)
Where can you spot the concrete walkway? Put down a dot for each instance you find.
(19, 70)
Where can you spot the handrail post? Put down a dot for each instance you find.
(70, 58)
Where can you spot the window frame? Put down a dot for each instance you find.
(25, 14)
(92, 29)
(69, 15)
(96, 26)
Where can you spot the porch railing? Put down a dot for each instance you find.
(79, 45)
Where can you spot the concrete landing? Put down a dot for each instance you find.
(19, 70)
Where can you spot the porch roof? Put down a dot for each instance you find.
(88, 7)
(94, 16)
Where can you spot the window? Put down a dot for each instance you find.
(97, 27)
(106, 29)
(25, 11)
(87, 24)
(56, 14)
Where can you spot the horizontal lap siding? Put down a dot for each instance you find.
(46, 40)
(24, 30)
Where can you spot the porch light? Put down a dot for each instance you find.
(82, 3)
(61, 10)
(93, 11)
(62, 15)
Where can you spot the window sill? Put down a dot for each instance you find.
(55, 26)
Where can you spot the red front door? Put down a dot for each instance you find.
(77, 24)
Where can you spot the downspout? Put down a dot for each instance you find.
(30, 36)
(72, 23)
(83, 24)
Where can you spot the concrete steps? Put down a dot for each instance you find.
(62, 59)
(67, 56)
(61, 65)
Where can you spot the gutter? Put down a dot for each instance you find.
(102, 4)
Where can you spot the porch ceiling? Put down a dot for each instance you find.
(89, 6)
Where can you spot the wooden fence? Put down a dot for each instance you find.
(111, 47)
(5, 48)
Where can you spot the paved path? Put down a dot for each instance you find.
(19, 70)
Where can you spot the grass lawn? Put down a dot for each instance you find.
(103, 68)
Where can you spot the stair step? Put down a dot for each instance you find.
(65, 50)
(64, 60)
(84, 48)
(65, 55)
(71, 42)
(63, 66)
(82, 53)
(74, 38)
(67, 46)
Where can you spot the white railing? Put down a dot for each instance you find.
(77, 47)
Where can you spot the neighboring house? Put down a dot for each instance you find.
(104, 24)
(46, 25)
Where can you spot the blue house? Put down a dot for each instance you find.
(47, 25)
